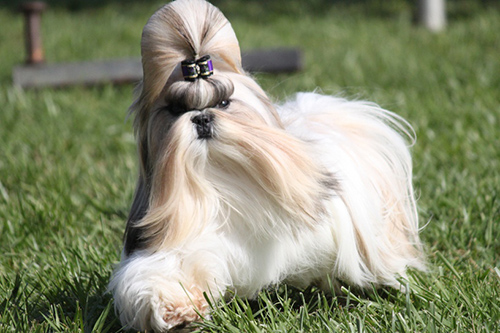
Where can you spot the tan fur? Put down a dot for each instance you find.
(236, 193)
(186, 310)
(182, 191)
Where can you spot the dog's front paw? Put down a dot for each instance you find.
(180, 312)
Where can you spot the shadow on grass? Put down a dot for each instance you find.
(80, 303)
(71, 305)
(284, 304)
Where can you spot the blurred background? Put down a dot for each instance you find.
(68, 161)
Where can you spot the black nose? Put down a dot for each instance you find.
(204, 125)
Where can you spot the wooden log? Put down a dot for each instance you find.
(130, 70)
(282, 60)
(33, 36)
(77, 73)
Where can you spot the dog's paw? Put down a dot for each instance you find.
(180, 312)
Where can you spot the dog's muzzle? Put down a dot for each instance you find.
(204, 125)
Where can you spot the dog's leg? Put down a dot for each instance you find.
(165, 289)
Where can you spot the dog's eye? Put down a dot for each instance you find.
(223, 104)
(176, 109)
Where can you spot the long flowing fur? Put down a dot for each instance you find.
(315, 190)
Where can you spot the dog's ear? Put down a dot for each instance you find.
(133, 237)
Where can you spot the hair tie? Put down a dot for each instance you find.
(194, 69)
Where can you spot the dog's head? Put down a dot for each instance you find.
(208, 136)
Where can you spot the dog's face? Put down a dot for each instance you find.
(212, 148)
(199, 116)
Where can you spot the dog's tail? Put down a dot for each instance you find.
(184, 30)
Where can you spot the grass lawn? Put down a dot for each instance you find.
(68, 163)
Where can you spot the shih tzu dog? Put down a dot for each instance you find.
(236, 193)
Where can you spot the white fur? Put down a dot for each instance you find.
(250, 208)
(236, 254)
